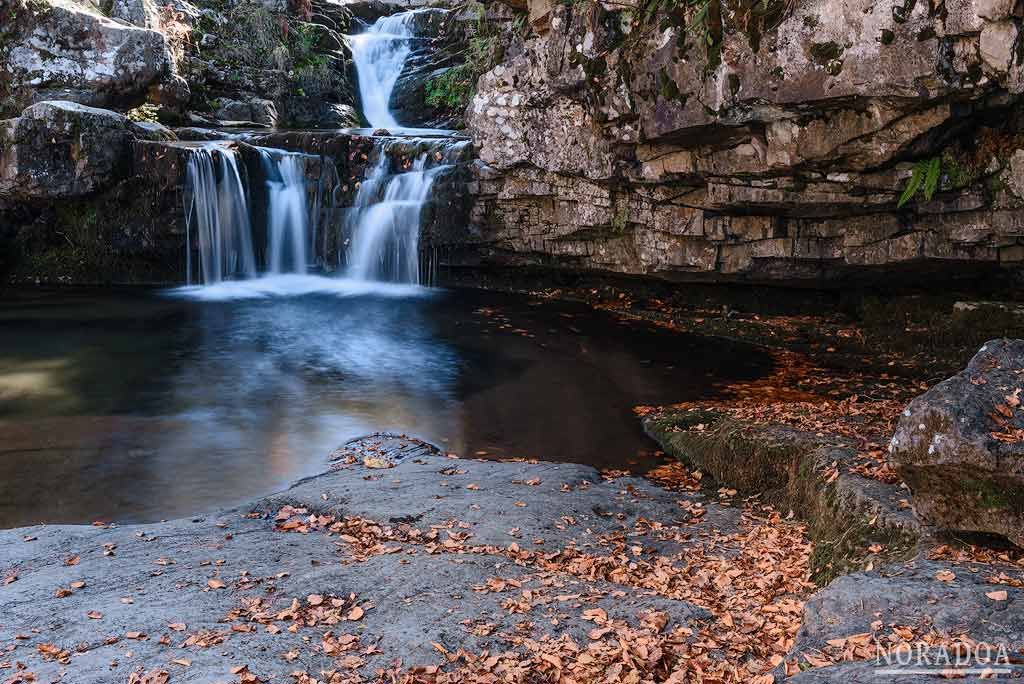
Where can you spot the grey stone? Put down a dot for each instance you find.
(65, 149)
(908, 595)
(96, 61)
(997, 43)
(960, 446)
(413, 598)
(142, 13)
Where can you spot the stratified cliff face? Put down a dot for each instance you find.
(749, 146)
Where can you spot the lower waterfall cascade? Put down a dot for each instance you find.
(219, 218)
(385, 220)
(216, 203)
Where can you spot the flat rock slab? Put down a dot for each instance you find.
(201, 597)
(933, 602)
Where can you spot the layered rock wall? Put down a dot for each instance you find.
(620, 139)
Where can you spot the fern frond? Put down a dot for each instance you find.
(914, 184)
(931, 179)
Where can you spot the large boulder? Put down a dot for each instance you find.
(312, 112)
(58, 49)
(142, 13)
(62, 149)
(960, 446)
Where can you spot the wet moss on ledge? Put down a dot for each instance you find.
(845, 514)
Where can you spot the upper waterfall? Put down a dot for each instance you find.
(379, 55)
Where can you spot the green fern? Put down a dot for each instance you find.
(926, 177)
(931, 178)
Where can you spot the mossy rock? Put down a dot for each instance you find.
(846, 514)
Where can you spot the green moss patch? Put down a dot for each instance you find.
(852, 521)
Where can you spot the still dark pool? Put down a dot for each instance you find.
(140, 405)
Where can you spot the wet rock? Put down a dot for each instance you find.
(64, 149)
(413, 597)
(960, 446)
(63, 50)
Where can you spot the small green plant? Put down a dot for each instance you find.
(454, 88)
(925, 179)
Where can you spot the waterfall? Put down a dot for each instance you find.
(379, 55)
(219, 226)
(380, 233)
(288, 233)
(215, 200)
(386, 215)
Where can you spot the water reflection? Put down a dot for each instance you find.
(138, 406)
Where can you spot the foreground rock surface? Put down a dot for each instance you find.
(402, 562)
(159, 595)
(960, 446)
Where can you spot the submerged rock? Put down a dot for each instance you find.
(960, 446)
(59, 49)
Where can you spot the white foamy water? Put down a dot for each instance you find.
(387, 213)
(379, 55)
(217, 216)
(219, 226)
(295, 285)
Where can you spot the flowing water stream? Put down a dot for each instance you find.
(382, 228)
(385, 219)
(219, 220)
(379, 55)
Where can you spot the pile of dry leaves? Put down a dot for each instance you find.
(752, 581)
